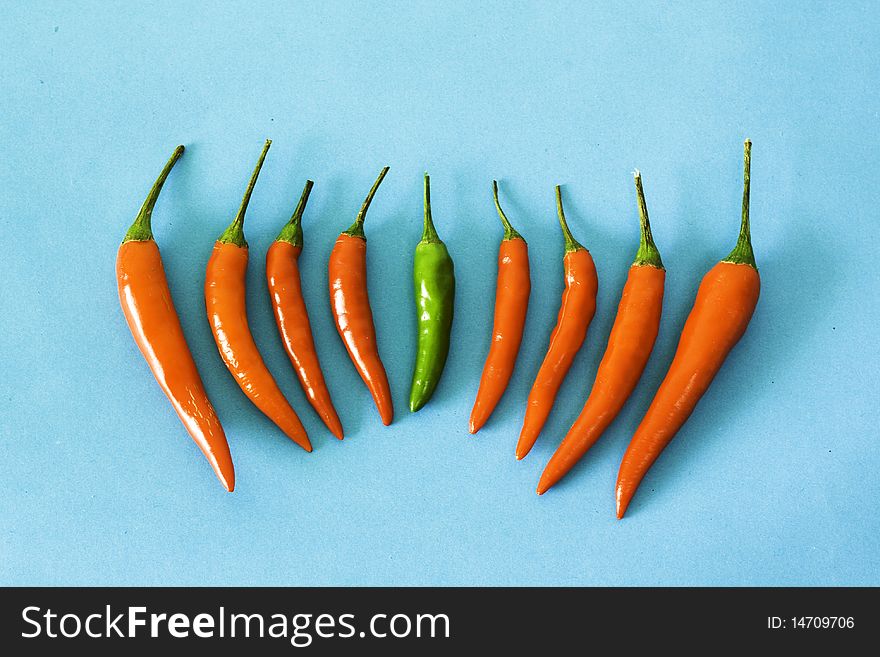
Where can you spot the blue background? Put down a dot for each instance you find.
(773, 481)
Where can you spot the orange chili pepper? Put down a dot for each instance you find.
(511, 303)
(149, 311)
(724, 305)
(227, 314)
(575, 314)
(629, 347)
(350, 303)
(291, 316)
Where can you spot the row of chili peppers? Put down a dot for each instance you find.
(725, 301)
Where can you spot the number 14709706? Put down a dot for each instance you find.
(810, 623)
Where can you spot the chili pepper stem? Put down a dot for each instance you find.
(234, 233)
(648, 254)
(571, 244)
(510, 233)
(141, 229)
(429, 233)
(292, 230)
(357, 228)
(742, 253)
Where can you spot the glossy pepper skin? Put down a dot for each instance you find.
(629, 347)
(511, 304)
(149, 311)
(227, 315)
(291, 316)
(350, 304)
(725, 302)
(575, 314)
(434, 286)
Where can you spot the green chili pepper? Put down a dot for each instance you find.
(434, 279)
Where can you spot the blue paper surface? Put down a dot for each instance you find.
(774, 480)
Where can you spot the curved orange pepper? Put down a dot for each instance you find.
(149, 311)
(511, 304)
(575, 314)
(292, 318)
(350, 303)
